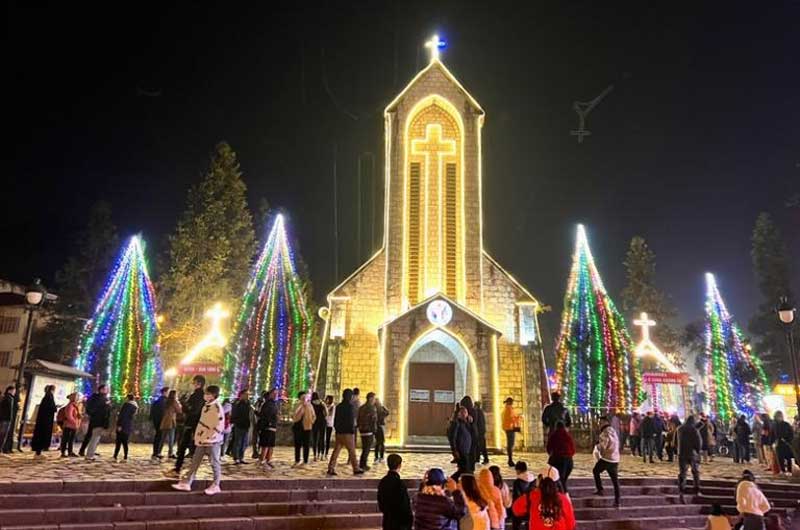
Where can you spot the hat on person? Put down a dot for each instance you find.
(435, 477)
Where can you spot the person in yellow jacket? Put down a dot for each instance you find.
(303, 421)
(511, 423)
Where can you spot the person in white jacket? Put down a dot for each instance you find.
(208, 438)
(607, 454)
(751, 502)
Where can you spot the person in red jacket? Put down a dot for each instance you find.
(561, 449)
(546, 508)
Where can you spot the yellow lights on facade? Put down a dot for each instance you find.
(498, 425)
(214, 338)
(785, 389)
(646, 348)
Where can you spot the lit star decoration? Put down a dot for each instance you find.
(595, 365)
(120, 342)
(271, 336)
(735, 379)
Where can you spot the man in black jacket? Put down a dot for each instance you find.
(689, 447)
(648, 430)
(344, 423)
(267, 427)
(393, 500)
(240, 419)
(95, 408)
(367, 422)
(553, 413)
(192, 411)
(156, 415)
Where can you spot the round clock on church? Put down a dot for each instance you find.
(439, 313)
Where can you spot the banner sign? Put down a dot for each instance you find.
(198, 368)
(419, 395)
(665, 378)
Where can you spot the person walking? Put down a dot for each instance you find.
(554, 412)
(440, 504)
(463, 440)
(43, 429)
(156, 416)
(89, 407)
(7, 404)
(380, 433)
(741, 440)
(607, 451)
(192, 410)
(318, 429)
(240, 419)
(480, 431)
(302, 423)
(561, 448)
(546, 508)
(169, 422)
(125, 425)
(72, 421)
(648, 434)
(751, 502)
(510, 422)
(367, 425)
(393, 500)
(268, 427)
(207, 440)
(330, 410)
(345, 434)
(784, 433)
(690, 445)
(98, 407)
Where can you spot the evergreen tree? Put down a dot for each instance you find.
(641, 294)
(771, 268)
(595, 365)
(271, 336)
(78, 283)
(209, 252)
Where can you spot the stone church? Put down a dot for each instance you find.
(431, 316)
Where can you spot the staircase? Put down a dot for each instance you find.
(264, 504)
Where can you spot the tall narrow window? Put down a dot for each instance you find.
(413, 232)
(450, 230)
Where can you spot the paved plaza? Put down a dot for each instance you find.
(24, 467)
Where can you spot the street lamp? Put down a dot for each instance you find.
(786, 316)
(35, 296)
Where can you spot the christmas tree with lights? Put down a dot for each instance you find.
(271, 336)
(735, 379)
(120, 344)
(595, 365)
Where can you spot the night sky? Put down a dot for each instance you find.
(700, 133)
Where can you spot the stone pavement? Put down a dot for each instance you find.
(24, 467)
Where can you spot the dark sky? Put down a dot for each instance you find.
(701, 131)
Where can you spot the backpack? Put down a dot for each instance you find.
(61, 416)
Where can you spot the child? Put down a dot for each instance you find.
(208, 441)
(521, 487)
(717, 521)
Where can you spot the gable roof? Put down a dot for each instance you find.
(434, 64)
(450, 301)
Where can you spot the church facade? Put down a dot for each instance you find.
(432, 317)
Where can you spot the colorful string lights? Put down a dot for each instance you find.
(735, 379)
(120, 342)
(595, 365)
(271, 336)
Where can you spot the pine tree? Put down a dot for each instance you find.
(641, 294)
(210, 251)
(271, 336)
(735, 380)
(120, 343)
(595, 365)
(771, 267)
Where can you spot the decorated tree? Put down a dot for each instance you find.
(271, 336)
(120, 344)
(735, 380)
(595, 365)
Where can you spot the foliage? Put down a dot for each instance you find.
(209, 252)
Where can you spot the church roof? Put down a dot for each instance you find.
(437, 64)
(453, 303)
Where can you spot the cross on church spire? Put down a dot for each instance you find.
(645, 323)
(434, 44)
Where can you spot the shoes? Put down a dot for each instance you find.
(63, 455)
(617, 503)
(182, 486)
(298, 465)
(155, 459)
(172, 473)
(212, 489)
(269, 464)
(366, 468)
(357, 472)
(173, 457)
(332, 473)
(599, 493)
(511, 464)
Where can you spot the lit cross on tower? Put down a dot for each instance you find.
(434, 44)
(646, 346)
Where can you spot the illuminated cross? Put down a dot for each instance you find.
(214, 337)
(645, 323)
(434, 147)
(434, 44)
(646, 346)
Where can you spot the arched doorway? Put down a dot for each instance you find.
(438, 371)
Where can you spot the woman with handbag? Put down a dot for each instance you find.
(510, 420)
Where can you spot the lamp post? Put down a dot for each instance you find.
(786, 316)
(35, 295)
